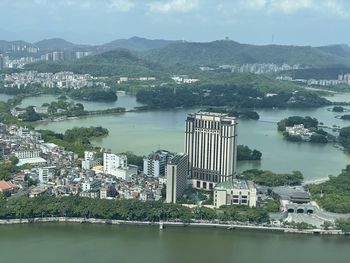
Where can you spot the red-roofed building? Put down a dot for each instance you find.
(7, 186)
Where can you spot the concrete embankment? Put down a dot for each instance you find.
(166, 224)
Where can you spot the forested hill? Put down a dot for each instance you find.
(54, 44)
(230, 52)
(117, 62)
(341, 50)
(137, 44)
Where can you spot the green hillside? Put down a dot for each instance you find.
(112, 63)
(229, 52)
(137, 44)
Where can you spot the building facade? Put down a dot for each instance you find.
(211, 146)
(235, 192)
(154, 164)
(89, 160)
(177, 174)
(23, 154)
(46, 174)
(117, 165)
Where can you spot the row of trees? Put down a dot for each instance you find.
(243, 114)
(243, 96)
(93, 94)
(269, 178)
(244, 153)
(333, 195)
(8, 167)
(122, 209)
(76, 140)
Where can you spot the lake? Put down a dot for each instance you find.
(5, 97)
(57, 243)
(143, 132)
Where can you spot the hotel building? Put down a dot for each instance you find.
(211, 146)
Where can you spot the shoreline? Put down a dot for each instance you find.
(162, 225)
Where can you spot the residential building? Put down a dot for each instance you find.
(89, 160)
(24, 154)
(46, 174)
(211, 146)
(7, 186)
(107, 191)
(177, 173)
(235, 192)
(39, 190)
(117, 165)
(94, 193)
(155, 163)
(91, 185)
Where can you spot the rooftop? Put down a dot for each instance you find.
(211, 116)
(31, 161)
(234, 184)
(6, 185)
(177, 158)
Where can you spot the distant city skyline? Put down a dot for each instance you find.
(297, 22)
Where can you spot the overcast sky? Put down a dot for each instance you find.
(297, 22)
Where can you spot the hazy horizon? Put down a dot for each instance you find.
(298, 22)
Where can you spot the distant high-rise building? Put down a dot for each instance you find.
(2, 62)
(211, 146)
(81, 54)
(57, 55)
(176, 174)
(155, 163)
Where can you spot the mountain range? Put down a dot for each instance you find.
(172, 53)
(133, 43)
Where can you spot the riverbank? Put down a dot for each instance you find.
(162, 225)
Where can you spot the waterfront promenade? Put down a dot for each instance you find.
(163, 224)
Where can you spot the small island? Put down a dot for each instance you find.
(58, 110)
(303, 129)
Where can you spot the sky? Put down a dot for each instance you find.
(292, 22)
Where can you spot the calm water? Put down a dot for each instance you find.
(5, 97)
(124, 100)
(101, 243)
(142, 132)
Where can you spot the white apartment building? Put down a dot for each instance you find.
(91, 185)
(117, 165)
(24, 154)
(46, 173)
(89, 160)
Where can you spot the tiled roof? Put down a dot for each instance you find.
(6, 185)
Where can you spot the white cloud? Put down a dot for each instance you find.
(292, 6)
(122, 5)
(334, 7)
(176, 6)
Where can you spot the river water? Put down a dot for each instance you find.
(57, 243)
(143, 132)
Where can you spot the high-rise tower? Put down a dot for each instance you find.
(211, 146)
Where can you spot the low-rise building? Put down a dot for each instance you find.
(7, 186)
(235, 192)
(24, 154)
